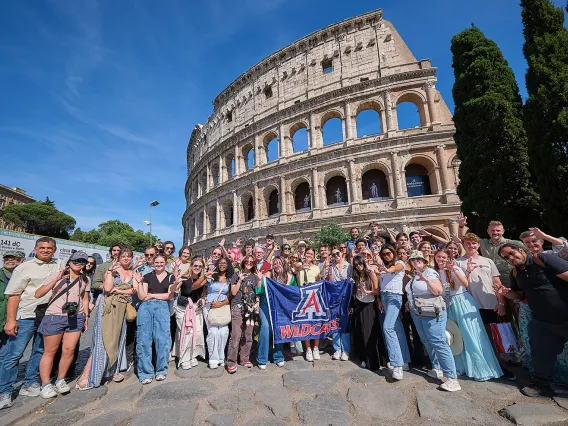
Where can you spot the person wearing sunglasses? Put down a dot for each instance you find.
(340, 270)
(286, 252)
(189, 339)
(66, 316)
(11, 259)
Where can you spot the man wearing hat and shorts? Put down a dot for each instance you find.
(11, 258)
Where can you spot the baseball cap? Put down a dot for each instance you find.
(270, 236)
(302, 243)
(79, 255)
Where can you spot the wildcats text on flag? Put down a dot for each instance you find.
(309, 312)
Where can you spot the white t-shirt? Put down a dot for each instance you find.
(392, 282)
(420, 288)
(481, 280)
(457, 283)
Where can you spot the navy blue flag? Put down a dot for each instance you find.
(310, 312)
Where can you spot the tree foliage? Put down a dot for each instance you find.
(332, 235)
(40, 218)
(495, 182)
(114, 232)
(546, 109)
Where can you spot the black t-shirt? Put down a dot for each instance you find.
(246, 293)
(186, 291)
(546, 294)
(156, 286)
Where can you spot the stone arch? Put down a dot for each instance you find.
(368, 118)
(226, 213)
(203, 182)
(270, 146)
(374, 184)
(215, 175)
(419, 100)
(212, 218)
(336, 189)
(300, 189)
(438, 231)
(272, 201)
(247, 152)
(420, 173)
(299, 136)
(247, 206)
(230, 165)
(200, 218)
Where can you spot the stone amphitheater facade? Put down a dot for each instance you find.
(235, 190)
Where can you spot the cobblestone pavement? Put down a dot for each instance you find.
(323, 393)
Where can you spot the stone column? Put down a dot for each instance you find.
(282, 193)
(218, 216)
(398, 190)
(315, 135)
(237, 165)
(390, 125)
(453, 225)
(259, 152)
(348, 121)
(383, 121)
(256, 202)
(199, 192)
(430, 99)
(441, 158)
(282, 143)
(316, 202)
(208, 184)
(222, 176)
(205, 222)
(235, 209)
(354, 183)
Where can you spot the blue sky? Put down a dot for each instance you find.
(99, 98)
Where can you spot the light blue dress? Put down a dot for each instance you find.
(477, 360)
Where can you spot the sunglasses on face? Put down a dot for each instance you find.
(375, 248)
(285, 248)
(247, 262)
(342, 247)
(386, 253)
(149, 254)
(336, 253)
(91, 263)
(197, 265)
(79, 262)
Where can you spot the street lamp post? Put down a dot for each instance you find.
(152, 204)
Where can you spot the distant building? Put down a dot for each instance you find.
(12, 196)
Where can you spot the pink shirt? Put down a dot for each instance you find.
(76, 294)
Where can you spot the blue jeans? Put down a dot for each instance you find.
(342, 342)
(433, 335)
(12, 352)
(264, 338)
(395, 339)
(153, 325)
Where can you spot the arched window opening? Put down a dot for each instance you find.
(332, 131)
(203, 182)
(272, 150)
(200, 224)
(216, 175)
(374, 185)
(302, 197)
(417, 180)
(300, 140)
(249, 158)
(212, 220)
(273, 204)
(249, 209)
(408, 115)
(336, 191)
(230, 164)
(228, 211)
(368, 123)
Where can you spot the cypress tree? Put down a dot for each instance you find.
(495, 182)
(546, 109)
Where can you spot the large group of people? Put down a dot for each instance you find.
(408, 291)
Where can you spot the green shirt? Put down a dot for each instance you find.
(4, 278)
(490, 250)
(260, 290)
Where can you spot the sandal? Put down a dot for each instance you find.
(117, 378)
(84, 387)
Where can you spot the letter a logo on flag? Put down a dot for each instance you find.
(312, 306)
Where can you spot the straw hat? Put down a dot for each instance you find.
(417, 254)
(454, 337)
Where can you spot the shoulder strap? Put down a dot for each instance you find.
(538, 261)
(62, 292)
(219, 294)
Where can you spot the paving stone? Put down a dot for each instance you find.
(310, 381)
(371, 401)
(493, 389)
(191, 373)
(176, 393)
(181, 416)
(76, 399)
(265, 422)
(24, 406)
(221, 420)
(453, 408)
(128, 394)
(210, 373)
(115, 418)
(325, 409)
(362, 375)
(409, 377)
(563, 402)
(300, 364)
(276, 400)
(232, 402)
(62, 419)
(533, 414)
(256, 383)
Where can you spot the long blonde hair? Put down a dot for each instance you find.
(449, 276)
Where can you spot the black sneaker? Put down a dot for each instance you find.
(535, 391)
(508, 374)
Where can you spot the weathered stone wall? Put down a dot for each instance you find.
(368, 67)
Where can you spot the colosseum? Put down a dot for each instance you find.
(248, 175)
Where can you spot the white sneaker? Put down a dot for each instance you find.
(396, 373)
(213, 366)
(186, 366)
(222, 364)
(281, 363)
(62, 386)
(363, 364)
(31, 390)
(316, 353)
(309, 355)
(160, 378)
(48, 391)
(194, 362)
(344, 356)
(405, 367)
(336, 355)
(436, 374)
(262, 366)
(6, 401)
(451, 385)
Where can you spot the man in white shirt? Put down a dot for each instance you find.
(20, 321)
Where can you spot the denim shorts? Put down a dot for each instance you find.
(57, 324)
